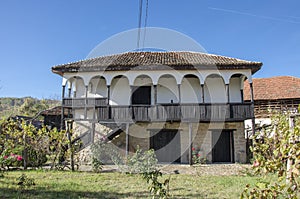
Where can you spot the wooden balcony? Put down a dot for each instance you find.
(176, 112)
(83, 102)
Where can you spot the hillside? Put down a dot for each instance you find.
(27, 106)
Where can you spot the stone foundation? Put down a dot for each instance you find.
(139, 135)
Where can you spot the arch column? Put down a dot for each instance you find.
(108, 99)
(252, 107)
(179, 93)
(227, 93)
(62, 108)
(202, 90)
(86, 102)
(155, 93)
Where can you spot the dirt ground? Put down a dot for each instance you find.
(200, 170)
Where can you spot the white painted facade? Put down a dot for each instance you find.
(172, 86)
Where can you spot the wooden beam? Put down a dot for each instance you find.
(62, 108)
(86, 102)
(127, 139)
(202, 90)
(227, 93)
(155, 94)
(252, 107)
(242, 95)
(179, 94)
(190, 143)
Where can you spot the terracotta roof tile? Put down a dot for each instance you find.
(273, 88)
(157, 61)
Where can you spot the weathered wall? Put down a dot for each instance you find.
(201, 138)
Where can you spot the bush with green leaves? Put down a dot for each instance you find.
(156, 188)
(97, 165)
(36, 146)
(273, 150)
(141, 161)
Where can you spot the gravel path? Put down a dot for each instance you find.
(200, 170)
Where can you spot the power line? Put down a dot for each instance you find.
(145, 24)
(139, 24)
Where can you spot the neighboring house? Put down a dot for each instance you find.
(273, 95)
(167, 101)
(52, 116)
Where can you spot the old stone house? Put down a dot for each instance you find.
(167, 101)
(279, 94)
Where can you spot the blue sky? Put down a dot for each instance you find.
(36, 35)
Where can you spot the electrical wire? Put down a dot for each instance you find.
(145, 24)
(139, 24)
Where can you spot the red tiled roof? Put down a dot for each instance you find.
(157, 61)
(273, 88)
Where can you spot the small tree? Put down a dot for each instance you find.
(273, 149)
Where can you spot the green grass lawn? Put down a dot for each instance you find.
(57, 184)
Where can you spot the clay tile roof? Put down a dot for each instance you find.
(273, 88)
(157, 61)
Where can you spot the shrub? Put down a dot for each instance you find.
(157, 188)
(141, 162)
(97, 165)
(197, 157)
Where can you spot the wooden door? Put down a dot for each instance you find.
(141, 95)
(166, 144)
(222, 143)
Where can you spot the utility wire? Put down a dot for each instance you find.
(139, 24)
(145, 24)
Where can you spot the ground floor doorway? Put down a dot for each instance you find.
(222, 146)
(166, 144)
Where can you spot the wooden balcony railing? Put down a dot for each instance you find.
(84, 102)
(177, 112)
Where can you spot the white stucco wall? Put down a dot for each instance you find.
(120, 92)
(191, 90)
(167, 90)
(214, 90)
(235, 89)
(80, 88)
(97, 88)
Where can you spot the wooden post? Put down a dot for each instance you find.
(108, 99)
(155, 115)
(69, 96)
(252, 107)
(202, 90)
(69, 136)
(179, 94)
(289, 174)
(25, 154)
(62, 108)
(242, 95)
(190, 144)
(155, 94)
(127, 140)
(86, 102)
(227, 93)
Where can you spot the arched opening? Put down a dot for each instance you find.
(75, 88)
(142, 91)
(97, 87)
(120, 91)
(167, 90)
(236, 83)
(190, 89)
(214, 89)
